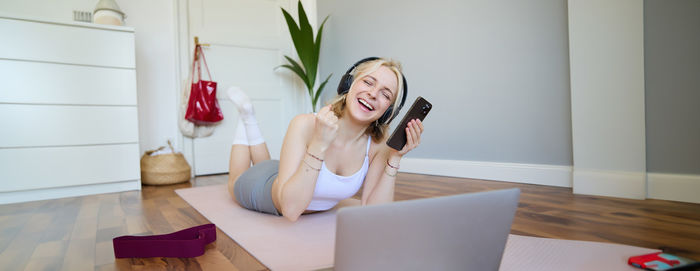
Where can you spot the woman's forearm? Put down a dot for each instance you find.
(298, 191)
(383, 192)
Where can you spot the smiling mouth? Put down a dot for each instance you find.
(366, 104)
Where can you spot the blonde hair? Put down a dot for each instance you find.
(376, 130)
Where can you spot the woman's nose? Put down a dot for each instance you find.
(373, 92)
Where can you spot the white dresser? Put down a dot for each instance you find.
(68, 111)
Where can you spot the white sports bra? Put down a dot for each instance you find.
(332, 188)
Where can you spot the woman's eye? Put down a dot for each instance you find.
(367, 82)
(386, 95)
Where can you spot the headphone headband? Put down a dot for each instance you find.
(367, 59)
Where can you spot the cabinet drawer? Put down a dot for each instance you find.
(56, 125)
(34, 168)
(62, 43)
(50, 83)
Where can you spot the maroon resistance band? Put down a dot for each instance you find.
(186, 243)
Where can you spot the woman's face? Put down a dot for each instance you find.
(372, 95)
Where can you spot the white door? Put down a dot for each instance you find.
(248, 39)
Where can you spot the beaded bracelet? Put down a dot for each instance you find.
(388, 174)
(314, 156)
(307, 163)
(394, 167)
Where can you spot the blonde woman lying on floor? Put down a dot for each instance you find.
(325, 157)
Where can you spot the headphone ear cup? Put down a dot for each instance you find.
(345, 84)
(387, 115)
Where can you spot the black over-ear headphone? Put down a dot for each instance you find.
(346, 82)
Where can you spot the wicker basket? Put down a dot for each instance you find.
(163, 169)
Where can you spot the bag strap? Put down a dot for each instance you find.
(198, 52)
(186, 243)
(201, 53)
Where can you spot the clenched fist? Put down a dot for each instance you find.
(325, 129)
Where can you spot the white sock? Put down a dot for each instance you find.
(242, 103)
(247, 114)
(252, 132)
(240, 138)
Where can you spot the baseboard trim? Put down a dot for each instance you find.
(507, 172)
(676, 187)
(70, 191)
(622, 184)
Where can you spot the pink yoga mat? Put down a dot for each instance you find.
(309, 243)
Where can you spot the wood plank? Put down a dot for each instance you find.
(47, 255)
(80, 254)
(18, 252)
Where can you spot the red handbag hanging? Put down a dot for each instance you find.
(202, 108)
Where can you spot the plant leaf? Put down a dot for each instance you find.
(317, 44)
(306, 47)
(304, 78)
(295, 70)
(319, 90)
(294, 30)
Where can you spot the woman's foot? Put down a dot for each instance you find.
(247, 114)
(242, 102)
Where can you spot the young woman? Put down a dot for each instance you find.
(325, 157)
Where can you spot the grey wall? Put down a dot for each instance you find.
(497, 72)
(672, 78)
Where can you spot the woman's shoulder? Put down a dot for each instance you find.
(304, 120)
(377, 148)
(302, 124)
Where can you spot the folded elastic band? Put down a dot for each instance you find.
(186, 243)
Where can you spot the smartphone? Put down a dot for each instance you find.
(662, 261)
(419, 110)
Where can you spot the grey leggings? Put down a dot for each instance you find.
(253, 189)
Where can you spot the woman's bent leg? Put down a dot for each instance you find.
(259, 153)
(239, 162)
(249, 145)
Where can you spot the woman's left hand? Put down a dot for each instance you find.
(413, 131)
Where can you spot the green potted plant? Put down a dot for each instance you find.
(307, 49)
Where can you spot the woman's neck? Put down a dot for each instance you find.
(349, 131)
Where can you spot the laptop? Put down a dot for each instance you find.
(461, 232)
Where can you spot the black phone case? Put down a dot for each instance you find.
(418, 110)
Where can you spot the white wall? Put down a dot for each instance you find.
(496, 72)
(46, 9)
(154, 22)
(156, 69)
(606, 51)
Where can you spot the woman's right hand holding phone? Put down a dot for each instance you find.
(325, 130)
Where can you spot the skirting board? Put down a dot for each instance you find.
(676, 187)
(507, 172)
(620, 184)
(70, 191)
(636, 185)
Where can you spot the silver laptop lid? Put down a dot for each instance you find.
(461, 232)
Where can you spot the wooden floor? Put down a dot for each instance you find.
(76, 233)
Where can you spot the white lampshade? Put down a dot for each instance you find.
(108, 12)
